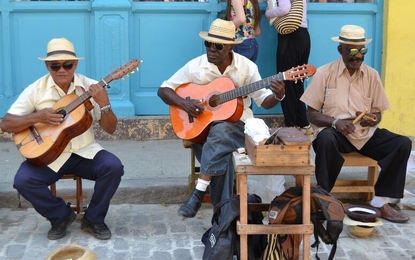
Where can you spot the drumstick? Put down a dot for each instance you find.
(357, 119)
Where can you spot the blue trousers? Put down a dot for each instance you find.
(33, 183)
(390, 150)
(215, 157)
(248, 48)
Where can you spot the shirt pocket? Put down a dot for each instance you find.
(367, 102)
(330, 98)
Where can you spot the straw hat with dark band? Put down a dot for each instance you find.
(352, 34)
(220, 31)
(60, 49)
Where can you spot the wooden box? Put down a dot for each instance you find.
(293, 149)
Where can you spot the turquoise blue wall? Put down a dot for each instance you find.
(164, 35)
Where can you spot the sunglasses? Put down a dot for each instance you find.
(57, 66)
(218, 46)
(353, 52)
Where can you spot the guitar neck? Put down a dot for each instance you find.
(86, 96)
(252, 87)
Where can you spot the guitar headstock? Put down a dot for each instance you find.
(300, 72)
(125, 69)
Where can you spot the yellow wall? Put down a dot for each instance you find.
(398, 65)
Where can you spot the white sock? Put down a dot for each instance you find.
(202, 184)
(378, 202)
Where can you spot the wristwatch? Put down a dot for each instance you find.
(334, 123)
(106, 109)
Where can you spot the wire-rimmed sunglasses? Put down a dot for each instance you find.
(218, 46)
(57, 66)
(355, 51)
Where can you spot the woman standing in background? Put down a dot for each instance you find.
(293, 50)
(246, 16)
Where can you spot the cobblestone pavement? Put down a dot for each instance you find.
(157, 232)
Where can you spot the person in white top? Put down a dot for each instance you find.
(215, 152)
(82, 156)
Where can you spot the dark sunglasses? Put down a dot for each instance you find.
(218, 46)
(353, 52)
(57, 66)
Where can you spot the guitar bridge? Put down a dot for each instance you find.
(35, 135)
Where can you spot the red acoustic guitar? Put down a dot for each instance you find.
(41, 143)
(221, 101)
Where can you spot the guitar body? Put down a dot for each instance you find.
(42, 144)
(196, 129)
(53, 139)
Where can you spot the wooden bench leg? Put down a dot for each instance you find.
(372, 176)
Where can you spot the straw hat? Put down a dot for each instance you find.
(352, 34)
(71, 251)
(60, 49)
(220, 31)
(361, 231)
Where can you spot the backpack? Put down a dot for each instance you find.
(221, 240)
(287, 209)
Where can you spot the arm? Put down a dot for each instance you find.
(108, 121)
(15, 124)
(284, 6)
(238, 6)
(343, 126)
(278, 93)
(191, 106)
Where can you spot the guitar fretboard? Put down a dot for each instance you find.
(252, 87)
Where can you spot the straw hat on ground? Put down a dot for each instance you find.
(60, 49)
(352, 34)
(73, 252)
(220, 31)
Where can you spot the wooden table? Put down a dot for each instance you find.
(243, 168)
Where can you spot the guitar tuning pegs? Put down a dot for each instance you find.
(132, 72)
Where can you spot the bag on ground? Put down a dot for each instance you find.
(324, 208)
(221, 240)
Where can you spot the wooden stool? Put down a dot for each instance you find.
(78, 197)
(353, 186)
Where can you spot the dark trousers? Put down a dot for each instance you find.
(390, 150)
(33, 183)
(293, 50)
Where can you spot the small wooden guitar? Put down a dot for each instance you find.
(41, 144)
(221, 101)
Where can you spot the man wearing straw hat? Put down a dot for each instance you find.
(82, 157)
(214, 154)
(345, 101)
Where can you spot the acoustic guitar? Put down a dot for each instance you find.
(221, 101)
(41, 144)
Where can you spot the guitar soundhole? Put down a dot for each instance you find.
(62, 112)
(214, 101)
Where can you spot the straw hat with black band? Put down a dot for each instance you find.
(60, 49)
(352, 34)
(221, 31)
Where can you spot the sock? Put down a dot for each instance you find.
(378, 202)
(202, 184)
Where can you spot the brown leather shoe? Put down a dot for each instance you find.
(388, 213)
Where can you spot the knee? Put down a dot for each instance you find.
(405, 144)
(20, 181)
(326, 138)
(115, 167)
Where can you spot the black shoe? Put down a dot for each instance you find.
(59, 230)
(99, 230)
(192, 204)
